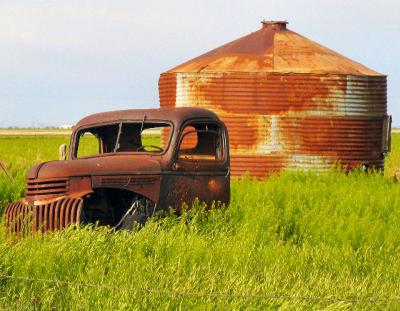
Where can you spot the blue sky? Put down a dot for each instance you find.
(61, 60)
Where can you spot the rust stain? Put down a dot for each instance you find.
(274, 48)
(240, 126)
(213, 185)
(270, 93)
(288, 102)
(168, 95)
(23, 218)
(103, 187)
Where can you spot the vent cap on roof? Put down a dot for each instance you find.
(275, 25)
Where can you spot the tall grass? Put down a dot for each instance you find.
(392, 163)
(297, 234)
(19, 154)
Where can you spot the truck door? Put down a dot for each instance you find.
(201, 164)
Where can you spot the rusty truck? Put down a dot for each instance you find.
(124, 166)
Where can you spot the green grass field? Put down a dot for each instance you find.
(295, 241)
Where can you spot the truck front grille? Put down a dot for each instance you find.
(46, 187)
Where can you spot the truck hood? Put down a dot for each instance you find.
(105, 165)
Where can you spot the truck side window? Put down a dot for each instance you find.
(89, 145)
(201, 141)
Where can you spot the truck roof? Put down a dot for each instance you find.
(176, 115)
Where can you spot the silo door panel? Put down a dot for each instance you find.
(386, 134)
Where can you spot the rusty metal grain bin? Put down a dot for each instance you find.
(288, 102)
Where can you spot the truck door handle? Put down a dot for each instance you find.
(178, 167)
(228, 172)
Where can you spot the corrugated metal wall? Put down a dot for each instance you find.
(288, 120)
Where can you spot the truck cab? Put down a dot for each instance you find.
(123, 166)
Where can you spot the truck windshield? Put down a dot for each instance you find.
(140, 136)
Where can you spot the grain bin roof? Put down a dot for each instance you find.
(274, 48)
